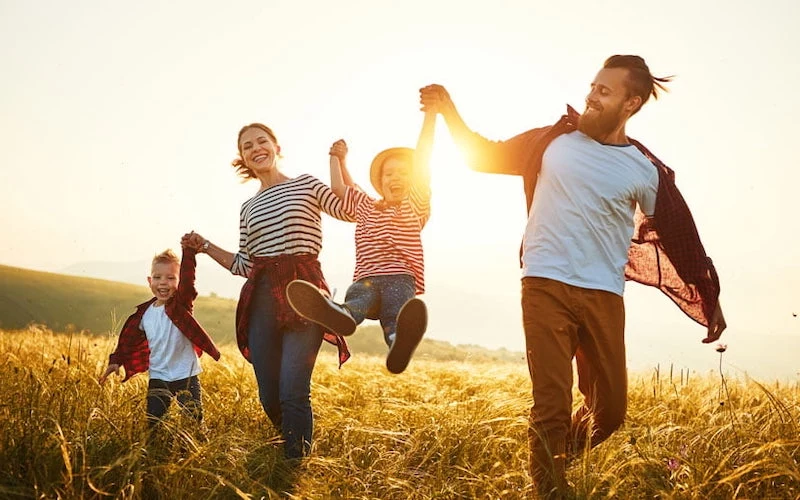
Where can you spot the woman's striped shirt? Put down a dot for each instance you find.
(285, 219)
(388, 240)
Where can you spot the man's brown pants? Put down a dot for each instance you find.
(563, 322)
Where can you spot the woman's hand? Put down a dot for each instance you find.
(193, 240)
(339, 149)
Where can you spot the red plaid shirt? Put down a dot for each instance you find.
(132, 350)
(282, 269)
(666, 254)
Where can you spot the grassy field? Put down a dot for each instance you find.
(441, 430)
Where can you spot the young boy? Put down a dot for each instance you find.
(163, 337)
(389, 270)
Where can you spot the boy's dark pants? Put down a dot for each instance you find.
(160, 394)
(563, 322)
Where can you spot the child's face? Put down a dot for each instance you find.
(395, 179)
(163, 280)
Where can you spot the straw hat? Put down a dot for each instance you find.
(376, 169)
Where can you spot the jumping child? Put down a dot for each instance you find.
(389, 270)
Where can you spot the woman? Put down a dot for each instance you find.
(280, 238)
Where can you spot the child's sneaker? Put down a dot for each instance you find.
(412, 320)
(309, 302)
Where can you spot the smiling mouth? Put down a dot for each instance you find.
(260, 158)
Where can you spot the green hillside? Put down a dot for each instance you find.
(70, 303)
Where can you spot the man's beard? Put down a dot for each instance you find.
(600, 124)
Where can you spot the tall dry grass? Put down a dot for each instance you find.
(441, 430)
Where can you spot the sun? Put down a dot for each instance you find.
(472, 201)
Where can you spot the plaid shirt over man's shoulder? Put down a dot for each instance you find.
(665, 253)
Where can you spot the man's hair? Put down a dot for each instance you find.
(640, 81)
(166, 257)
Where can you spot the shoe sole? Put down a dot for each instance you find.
(412, 320)
(308, 301)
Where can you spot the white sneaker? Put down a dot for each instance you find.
(309, 302)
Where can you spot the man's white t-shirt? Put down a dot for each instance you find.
(582, 219)
(172, 355)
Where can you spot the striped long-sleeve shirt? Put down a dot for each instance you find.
(285, 219)
(388, 240)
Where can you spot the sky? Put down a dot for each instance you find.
(119, 122)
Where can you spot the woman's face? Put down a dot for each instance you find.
(258, 150)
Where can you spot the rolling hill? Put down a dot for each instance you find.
(71, 303)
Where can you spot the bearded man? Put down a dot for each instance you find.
(605, 210)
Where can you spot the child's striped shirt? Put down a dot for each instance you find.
(388, 240)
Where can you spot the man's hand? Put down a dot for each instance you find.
(715, 326)
(112, 368)
(339, 149)
(434, 98)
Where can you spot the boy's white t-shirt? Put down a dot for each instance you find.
(172, 355)
(582, 219)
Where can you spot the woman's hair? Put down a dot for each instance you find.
(640, 81)
(243, 170)
(166, 257)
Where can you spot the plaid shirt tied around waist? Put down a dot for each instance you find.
(281, 270)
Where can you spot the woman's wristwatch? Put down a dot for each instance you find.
(204, 246)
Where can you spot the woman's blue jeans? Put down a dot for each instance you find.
(283, 362)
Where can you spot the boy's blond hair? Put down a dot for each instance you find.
(165, 257)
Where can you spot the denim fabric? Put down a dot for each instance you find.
(161, 392)
(283, 362)
(380, 297)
